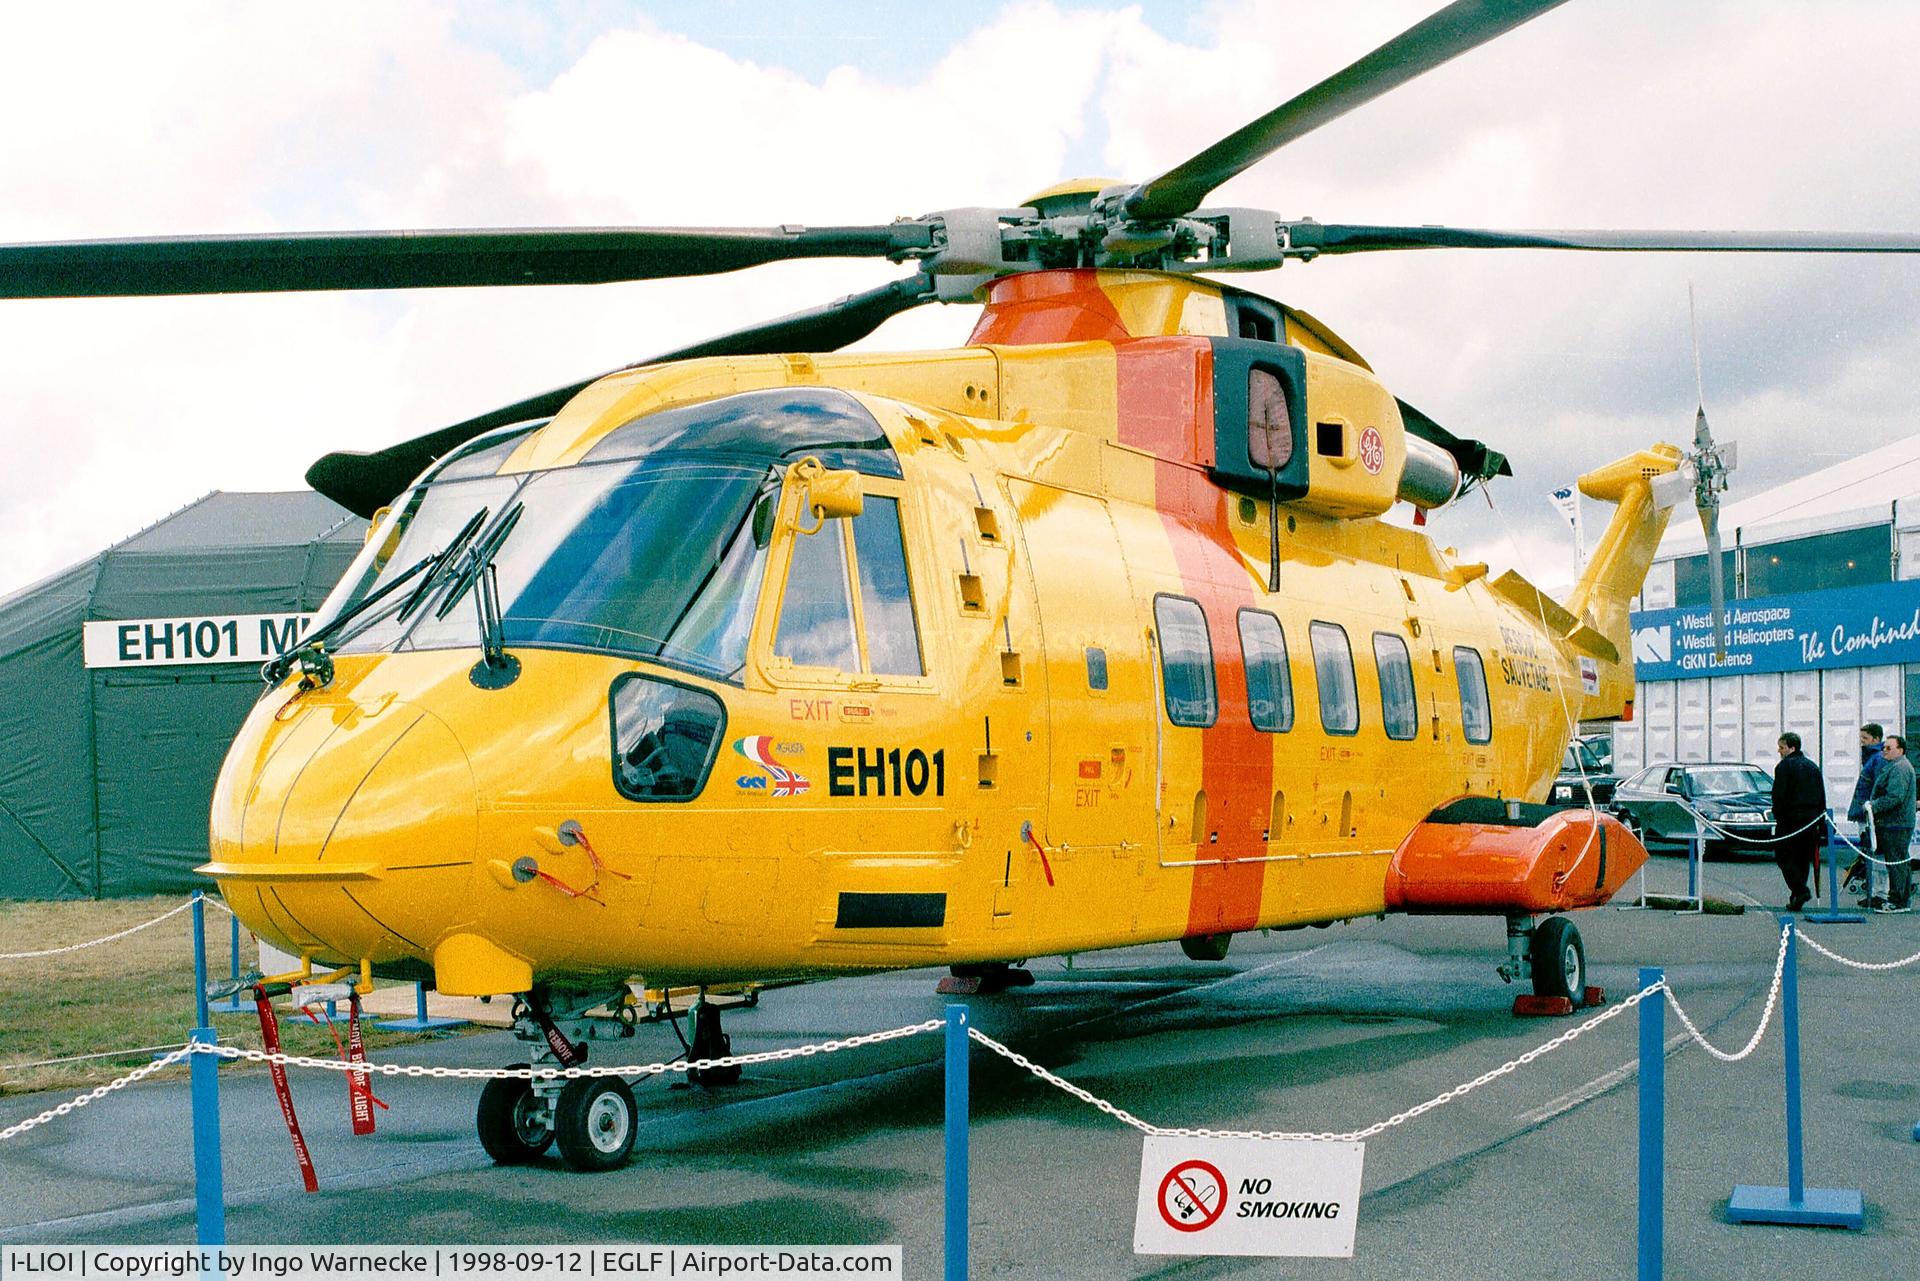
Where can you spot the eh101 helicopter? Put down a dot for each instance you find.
(743, 663)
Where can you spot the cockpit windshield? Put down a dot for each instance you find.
(657, 551)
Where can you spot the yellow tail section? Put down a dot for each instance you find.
(1614, 575)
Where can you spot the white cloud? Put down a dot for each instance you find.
(138, 119)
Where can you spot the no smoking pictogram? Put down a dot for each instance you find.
(1192, 1196)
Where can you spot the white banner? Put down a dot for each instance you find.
(208, 638)
(445, 1262)
(1276, 1197)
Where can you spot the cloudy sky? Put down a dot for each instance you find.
(178, 119)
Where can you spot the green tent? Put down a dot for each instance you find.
(109, 748)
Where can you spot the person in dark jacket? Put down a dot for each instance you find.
(1870, 761)
(1799, 804)
(1892, 805)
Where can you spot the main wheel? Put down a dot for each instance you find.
(514, 1123)
(1559, 960)
(594, 1119)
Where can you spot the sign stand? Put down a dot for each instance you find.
(421, 1021)
(1795, 1205)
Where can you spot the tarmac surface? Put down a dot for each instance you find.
(1534, 1174)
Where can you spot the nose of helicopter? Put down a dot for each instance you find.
(350, 833)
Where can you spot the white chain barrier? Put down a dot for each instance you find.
(368, 1068)
(75, 947)
(1352, 1136)
(1773, 997)
(1832, 955)
(101, 1092)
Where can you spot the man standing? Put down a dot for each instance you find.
(1859, 876)
(1799, 803)
(1892, 808)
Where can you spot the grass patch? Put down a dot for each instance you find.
(133, 992)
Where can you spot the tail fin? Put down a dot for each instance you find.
(1615, 574)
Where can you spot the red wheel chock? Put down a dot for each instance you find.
(1556, 1006)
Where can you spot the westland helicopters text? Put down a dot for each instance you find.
(1838, 642)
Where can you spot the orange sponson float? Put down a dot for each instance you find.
(1484, 856)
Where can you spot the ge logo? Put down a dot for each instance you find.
(1373, 451)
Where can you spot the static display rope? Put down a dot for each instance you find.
(75, 947)
(1351, 1136)
(134, 1052)
(1832, 955)
(1766, 1017)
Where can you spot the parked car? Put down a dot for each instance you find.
(1585, 776)
(1599, 748)
(1660, 801)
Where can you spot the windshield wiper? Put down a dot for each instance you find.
(275, 669)
(442, 559)
(496, 669)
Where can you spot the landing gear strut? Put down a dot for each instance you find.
(1550, 954)
(592, 1118)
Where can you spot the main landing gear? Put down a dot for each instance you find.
(1549, 953)
(592, 1120)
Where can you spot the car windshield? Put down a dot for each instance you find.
(1581, 758)
(1729, 781)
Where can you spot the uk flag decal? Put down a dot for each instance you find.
(758, 748)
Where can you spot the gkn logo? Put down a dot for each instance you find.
(1653, 644)
(759, 748)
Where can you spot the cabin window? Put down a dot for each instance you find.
(1398, 711)
(1333, 673)
(1263, 646)
(816, 616)
(1096, 667)
(1476, 717)
(886, 597)
(1186, 661)
(665, 737)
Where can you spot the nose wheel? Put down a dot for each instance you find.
(515, 1124)
(594, 1122)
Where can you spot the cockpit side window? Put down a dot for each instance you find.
(886, 596)
(816, 615)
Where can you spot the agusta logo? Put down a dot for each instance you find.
(777, 778)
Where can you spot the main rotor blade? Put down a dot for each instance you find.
(365, 482)
(1439, 38)
(424, 259)
(1353, 238)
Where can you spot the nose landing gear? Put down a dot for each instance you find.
(593, 1119)
(1551, 955)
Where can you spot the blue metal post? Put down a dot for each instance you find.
(1653, 1126)
(1833, 915)
(201, 1018)
(421, 1021)
(957, 1198)
(1790, 1025)
(209, 1190)
(1796, 1204)
(1694, 850)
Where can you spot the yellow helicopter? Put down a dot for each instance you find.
(764, 660)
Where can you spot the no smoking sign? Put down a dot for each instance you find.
(1248, 1196)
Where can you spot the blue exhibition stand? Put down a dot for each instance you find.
(1795, 1205)
(1653, 1128)
(233, 1004)
(421, 1021)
